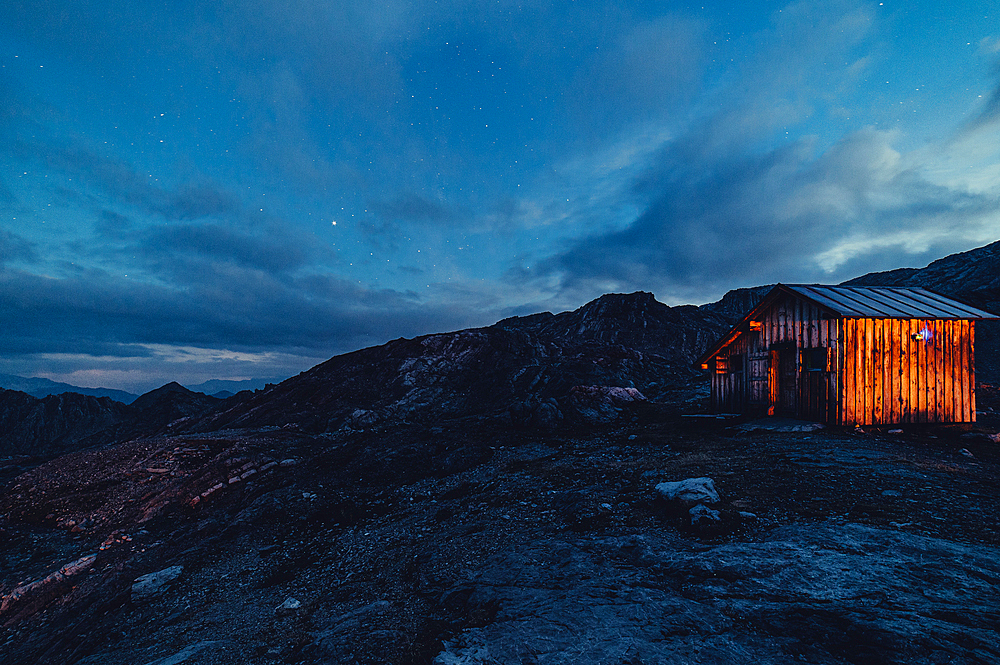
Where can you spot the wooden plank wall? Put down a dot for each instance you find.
(729, 389)
(789, 321)
(888, 377)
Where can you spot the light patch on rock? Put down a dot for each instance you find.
(185, 653)
(290, 606)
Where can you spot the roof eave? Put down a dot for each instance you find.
(743, 325)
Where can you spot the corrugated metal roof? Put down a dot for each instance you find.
(891, 302)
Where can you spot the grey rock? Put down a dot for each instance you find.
(690, 491)
(186, 653)
(703, 516)
(535, 412)
(362, 418)
(596, 405)
(289, 607)
(152, 585)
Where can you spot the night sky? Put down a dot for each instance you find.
(221, 189)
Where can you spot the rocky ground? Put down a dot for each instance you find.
(473, 541)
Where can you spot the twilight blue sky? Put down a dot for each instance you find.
(224, 189)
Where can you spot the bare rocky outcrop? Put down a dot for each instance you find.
(522, 368)
(772, 600)
(472, 541)
(29, 598)
(32, 426)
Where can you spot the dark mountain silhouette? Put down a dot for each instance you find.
(33, 426)
(512, 367)
(68, 421)
(214, 387)
(521, 370)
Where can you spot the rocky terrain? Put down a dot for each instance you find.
(34, 428)
(470, 542)
(547, 489)
(31, 425)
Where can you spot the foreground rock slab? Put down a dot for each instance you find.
(817, 593)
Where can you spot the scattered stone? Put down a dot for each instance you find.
(534, 412)
(152, 585)
(772, 424)
(689, 492)
(185, 653)
(702, 516)
(966, 452)
(895, 431)
(995, 438)
(289, 607)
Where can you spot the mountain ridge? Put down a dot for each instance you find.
(41, 387)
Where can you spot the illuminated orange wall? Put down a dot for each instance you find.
(887, 376)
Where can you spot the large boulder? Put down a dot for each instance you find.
(689, 492)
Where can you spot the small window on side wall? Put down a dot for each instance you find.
(735, 363)
(813, 360)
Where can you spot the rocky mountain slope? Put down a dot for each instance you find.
(32, 426)
(521, 368)
(472, 542)
(68, 421)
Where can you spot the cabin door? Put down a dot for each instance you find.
(782, 381)
(758, 382)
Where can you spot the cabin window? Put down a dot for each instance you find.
(813, 360)
(735, 363)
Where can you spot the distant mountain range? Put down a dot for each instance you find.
(39, 387)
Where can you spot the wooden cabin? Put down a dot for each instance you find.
(849, 355)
